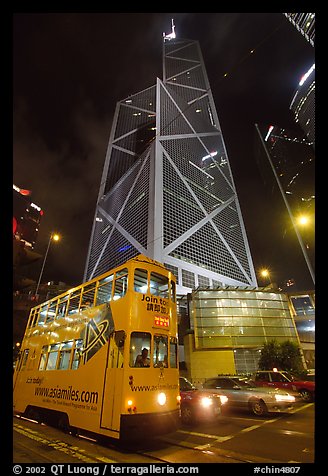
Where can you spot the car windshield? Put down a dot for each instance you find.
(244, 382)
(185, 385)
(289, 376)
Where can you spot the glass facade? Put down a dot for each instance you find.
(303, 310)
(240, 318)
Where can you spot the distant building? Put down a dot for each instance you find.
(286, 161)
(25, 299)
(167, 189)
(27, 217)
(26, 221)
(294, 161)
(229, 327)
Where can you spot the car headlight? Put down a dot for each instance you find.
(206, 402)
(223, 399)
(284, 398)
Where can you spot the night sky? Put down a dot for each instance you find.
(70, 69)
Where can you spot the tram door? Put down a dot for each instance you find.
(113, 383)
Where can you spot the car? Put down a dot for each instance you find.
(285, 380)
(198, 404)
(242, 393)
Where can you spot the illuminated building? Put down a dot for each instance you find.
(27, 217)
(229, 327)
(294, 160)
(289, 158)
(302, 307)
(304, 23)
(303, 104)
(167, 190)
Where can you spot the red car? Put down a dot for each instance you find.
(283, 379)
(196, 405)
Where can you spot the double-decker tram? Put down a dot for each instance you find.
(102, 357)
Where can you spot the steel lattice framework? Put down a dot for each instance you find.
(167, 190)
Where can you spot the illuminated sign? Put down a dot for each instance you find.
(160, 321)
(155, 304)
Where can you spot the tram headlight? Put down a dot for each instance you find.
(131, 407)
(161, 398)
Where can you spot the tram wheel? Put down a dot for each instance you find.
(33, 414)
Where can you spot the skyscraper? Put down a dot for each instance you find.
(304, 23)
(286, 160)
(303, 104)
(167, 190)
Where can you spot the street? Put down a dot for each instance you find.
(237, 437)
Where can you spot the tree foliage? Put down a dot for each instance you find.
(284, 356)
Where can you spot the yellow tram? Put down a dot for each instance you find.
(102, 357)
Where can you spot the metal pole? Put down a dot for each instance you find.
(44, 262)
(288, 208)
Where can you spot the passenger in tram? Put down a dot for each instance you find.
(142, 359)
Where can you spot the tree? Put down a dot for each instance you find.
(291, 357)
(270, 356)
(284, 356)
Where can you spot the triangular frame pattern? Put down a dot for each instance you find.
(167, 190)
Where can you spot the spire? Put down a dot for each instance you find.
(170, 35)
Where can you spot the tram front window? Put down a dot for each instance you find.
(138, 342)
(159, 285)
(160, 351)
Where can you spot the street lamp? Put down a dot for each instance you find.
(265, 274)
(303, 220)
(53, 237)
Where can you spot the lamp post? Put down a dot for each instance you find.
(53, 237)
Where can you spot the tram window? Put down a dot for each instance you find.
(160, 351)
(173, 291)
(52, 359)
(52, 311)
(43, 314)
(121, 284)
(77, 357)
(173, 353)
(88, 294)
(43, 360)
(138, 341)
(24, 359)
(104, 293)
(141, 281)
(65, 355)
(159, 285)
(74, 302)
(62, 306)
(34, 317)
